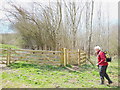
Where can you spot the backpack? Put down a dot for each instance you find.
(108, 57)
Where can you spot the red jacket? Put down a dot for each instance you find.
(101, 58)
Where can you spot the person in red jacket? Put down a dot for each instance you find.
(102, 64)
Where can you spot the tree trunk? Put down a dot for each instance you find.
(90, 36)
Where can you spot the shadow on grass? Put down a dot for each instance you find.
(36, 66)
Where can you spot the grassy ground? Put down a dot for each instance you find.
(5, 46)
(25, 75)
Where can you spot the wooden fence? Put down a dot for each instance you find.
(62, 57)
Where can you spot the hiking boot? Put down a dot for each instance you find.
(102, 81)
(110, 82)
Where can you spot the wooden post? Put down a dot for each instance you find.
(8, 56)
(78, 56)
(68, 59)
(65, 56)
(85, 57)
(62, 57)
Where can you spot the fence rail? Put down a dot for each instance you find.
(62, 57)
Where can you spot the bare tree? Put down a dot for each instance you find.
(73, 15)
(99, 24)
(61, 24)
(90, 36)
(108, 26)
(87, 25)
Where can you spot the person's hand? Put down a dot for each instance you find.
(97, 65)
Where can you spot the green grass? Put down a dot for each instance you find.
(26, 75)
(5, 46)
(0, 80)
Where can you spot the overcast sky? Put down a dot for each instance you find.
(113, 10)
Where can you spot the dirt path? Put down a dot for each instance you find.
(74, 68)
(2, 65)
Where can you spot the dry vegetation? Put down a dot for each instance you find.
(62, 24)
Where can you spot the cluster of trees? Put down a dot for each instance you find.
(63, 24)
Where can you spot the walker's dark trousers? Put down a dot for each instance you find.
(103, 74)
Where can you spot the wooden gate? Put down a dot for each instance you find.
(62, 57)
